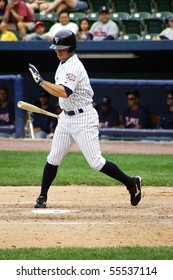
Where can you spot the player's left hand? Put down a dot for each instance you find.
(35, 74)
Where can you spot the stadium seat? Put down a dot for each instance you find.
(132, 36)
(132, 26)
(48, 19)
(117, 18)
(148, 36)
(96, 4)
(164, 5)
(144, 6)
(120, 16)
(140, 15)
(162, 14)
(93, 17)
(154, 25)
(48, 24)
(76, 16)
(123, 6)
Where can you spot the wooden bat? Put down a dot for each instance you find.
(32, 108)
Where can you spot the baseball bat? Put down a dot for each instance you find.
(32, 108)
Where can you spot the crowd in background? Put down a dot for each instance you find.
(18, 21)
(134, 116)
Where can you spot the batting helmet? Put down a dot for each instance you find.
(64, 39)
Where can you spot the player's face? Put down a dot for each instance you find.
(131, 100)
(2, 4)
(104, 17)
(62, 55)
(170, 24)
(44, 100)
(169, 100)
(40, 29)
(84, 25)
(105, 108)
(3, 95)
(64, 19)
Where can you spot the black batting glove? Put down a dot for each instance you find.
(35, 74)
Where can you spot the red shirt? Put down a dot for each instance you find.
(23, 11)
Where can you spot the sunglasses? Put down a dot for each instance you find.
(169, 98)
(130, 99)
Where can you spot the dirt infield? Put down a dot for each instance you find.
(86, 216)
(133, 147)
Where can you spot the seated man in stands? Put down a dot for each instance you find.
(63, 22)
(105, 28)
(167, 33)
(108, 116)
(44, 125)
(7, 113)
(166, 119)
(135, 116)
(17, 18)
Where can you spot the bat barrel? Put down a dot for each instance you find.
(32, 108)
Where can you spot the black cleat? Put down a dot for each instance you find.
(41, 202)
(135, 192)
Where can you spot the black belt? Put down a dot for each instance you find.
(72, 113)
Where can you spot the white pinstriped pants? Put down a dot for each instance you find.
(81, 128)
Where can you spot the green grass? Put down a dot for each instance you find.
(25, 168)
(118, 253)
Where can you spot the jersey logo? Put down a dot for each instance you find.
(70, 77)
(56, 39)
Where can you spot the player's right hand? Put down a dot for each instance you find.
(35, 74)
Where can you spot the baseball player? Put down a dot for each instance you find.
(78, 121)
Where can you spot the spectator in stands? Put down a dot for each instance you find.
(3, 4)
(39, 33)
(44, 126)
(8, 36)
(58, 108)
(108, 116)
(167, 33)
(57, 6)
(64, 23)
(135, 116)
(166, 119)
(105, 28)
(7, 113)
(5, 34)
(18, 18)
(84, 27)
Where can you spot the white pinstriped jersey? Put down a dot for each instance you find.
(82, 127)
(73, 75)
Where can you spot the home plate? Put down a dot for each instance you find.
(53, 211)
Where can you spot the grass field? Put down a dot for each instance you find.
(118, 253)
(25, 169)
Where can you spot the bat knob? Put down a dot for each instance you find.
(19, 104)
